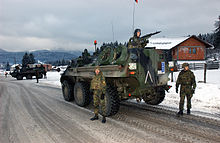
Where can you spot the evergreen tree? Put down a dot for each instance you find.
(28, 59)
(25, 60)
(217, 34)
(208, 37)
(63, 62)
(72, 63)
(86, 57)
(31, 59)
(98, 51)
(7, 67)
(59, 63)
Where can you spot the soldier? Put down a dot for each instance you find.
(136, 41)
(98, 85)
(187, 81)
(37, 74)
(6, 74)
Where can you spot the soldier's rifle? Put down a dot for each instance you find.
(145, 38)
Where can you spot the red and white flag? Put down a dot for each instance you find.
(136, 1)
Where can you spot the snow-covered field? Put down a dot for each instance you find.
(53, 78)
(206, 98)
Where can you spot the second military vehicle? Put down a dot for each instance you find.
(27, 72)
(136, 73)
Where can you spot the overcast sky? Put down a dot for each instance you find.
(74, 24)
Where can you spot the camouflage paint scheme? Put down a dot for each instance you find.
(98, 85)
(188, 84)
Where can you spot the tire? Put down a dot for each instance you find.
(112, 103)
(67, 90)
(82, 94)
(155, 99)
(29, 76)
(19, 77)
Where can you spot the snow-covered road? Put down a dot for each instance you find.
(31, 112)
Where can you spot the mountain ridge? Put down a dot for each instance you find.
(40, 55)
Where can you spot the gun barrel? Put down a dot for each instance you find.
(149, 35)
(156, 32)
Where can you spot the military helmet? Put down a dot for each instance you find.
(97, 67)
(185, 65)
(136, 31)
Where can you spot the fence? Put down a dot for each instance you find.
(199, 66)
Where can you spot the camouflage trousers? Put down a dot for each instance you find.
(182, 98)
(98, 102)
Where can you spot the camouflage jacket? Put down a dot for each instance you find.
(186, 78)
(98, 82)
(136, 42)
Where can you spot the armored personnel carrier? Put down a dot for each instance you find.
(19, 74)
(135, 73)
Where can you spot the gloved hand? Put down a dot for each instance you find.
(102, 96)
(176, 90)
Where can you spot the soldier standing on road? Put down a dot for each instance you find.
(98, 85)
(37, 74)
(6, 74)
(136, 41)
(187, 81)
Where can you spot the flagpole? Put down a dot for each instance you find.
(133, 18)
(113, 35)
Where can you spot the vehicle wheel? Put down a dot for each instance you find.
(155, 99)
(112, 103)
(40, 76)
(67, 91)
(81, 94)
(19, 77)
(29, 76)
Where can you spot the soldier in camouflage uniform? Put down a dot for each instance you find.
(187, 81)
(98, 85)
(136, 41)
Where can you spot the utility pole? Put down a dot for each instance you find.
(113, 35)
(133, 18)
(205, 69)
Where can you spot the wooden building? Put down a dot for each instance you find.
(180, 49)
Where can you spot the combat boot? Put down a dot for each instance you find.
(103, 119)
(188, 111)
(180, 113)
(94, 118)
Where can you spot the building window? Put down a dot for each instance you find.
(194, 50)
(190, 51)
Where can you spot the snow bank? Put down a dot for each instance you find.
(2, 72)
(53, 78)
(206, 97)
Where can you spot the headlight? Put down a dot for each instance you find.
(132, 66)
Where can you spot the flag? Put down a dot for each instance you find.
(136, 1)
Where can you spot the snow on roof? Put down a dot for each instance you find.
(13, 66)
(165, 43)
(191, 62)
